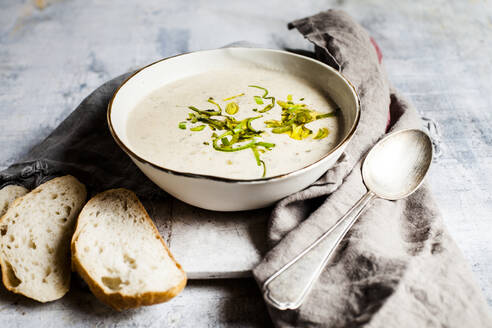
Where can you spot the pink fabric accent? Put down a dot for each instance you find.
(378, 51)
(380, 58)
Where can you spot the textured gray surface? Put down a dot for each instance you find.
(437, 53)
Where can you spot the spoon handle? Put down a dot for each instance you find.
(288, 287)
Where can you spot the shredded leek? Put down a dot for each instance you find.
(261, 88)
(198, 128)
(211, 100)
(208, 112)
(294, 117)
(230, 98)
(240, 135)
(259, 99)
(232, 108)
(322, 133)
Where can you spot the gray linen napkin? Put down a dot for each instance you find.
(82, 146)
(398, 266)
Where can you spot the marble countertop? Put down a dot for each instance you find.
(53, 53)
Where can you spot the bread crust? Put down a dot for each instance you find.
(118, 300)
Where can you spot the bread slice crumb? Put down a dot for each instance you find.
(120, 254)
(35, 235)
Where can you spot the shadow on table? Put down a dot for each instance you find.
(234, 302)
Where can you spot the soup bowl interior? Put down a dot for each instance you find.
(236, 194)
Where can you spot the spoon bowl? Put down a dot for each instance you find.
(396, 166)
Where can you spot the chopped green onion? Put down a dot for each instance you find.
(225, 141)
(248, 123)
(264, 168)
(230, 98)
(283, 104)
(266, 109)
(232, 108)
(322, 133)
(294, 117)
(332, 114)
(182, 125)
(258, 100)
(230, 148)
(211, 100)
(192, 117)
(270, 106)
(267, 145)
(257, 155)
(240, 135)
(258, 160)
(299, 132)
(204, 112)
(255, 86)
(198, 128)
(282, 129)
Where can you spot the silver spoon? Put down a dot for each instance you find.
(393, 169)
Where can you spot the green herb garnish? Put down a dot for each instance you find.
(211, 100)
(268, 107)
(198, 128)
(232, 108)
(322, 133)
(237, 135)
(332, 114)
(294, 117)
(261, 88)
(243, 136)
(230, 98)
(240, 135)
(259, 100)
(208, 112)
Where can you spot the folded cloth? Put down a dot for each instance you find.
(83, 146)
(398, 266)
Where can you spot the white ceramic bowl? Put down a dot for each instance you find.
(218, 193)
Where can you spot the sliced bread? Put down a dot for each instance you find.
(120, 254)
(35, 235)
(8, 194)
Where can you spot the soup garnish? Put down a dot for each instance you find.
(240, 135)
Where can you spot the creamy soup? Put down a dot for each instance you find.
(277, 141)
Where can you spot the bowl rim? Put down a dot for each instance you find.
(133, 155)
